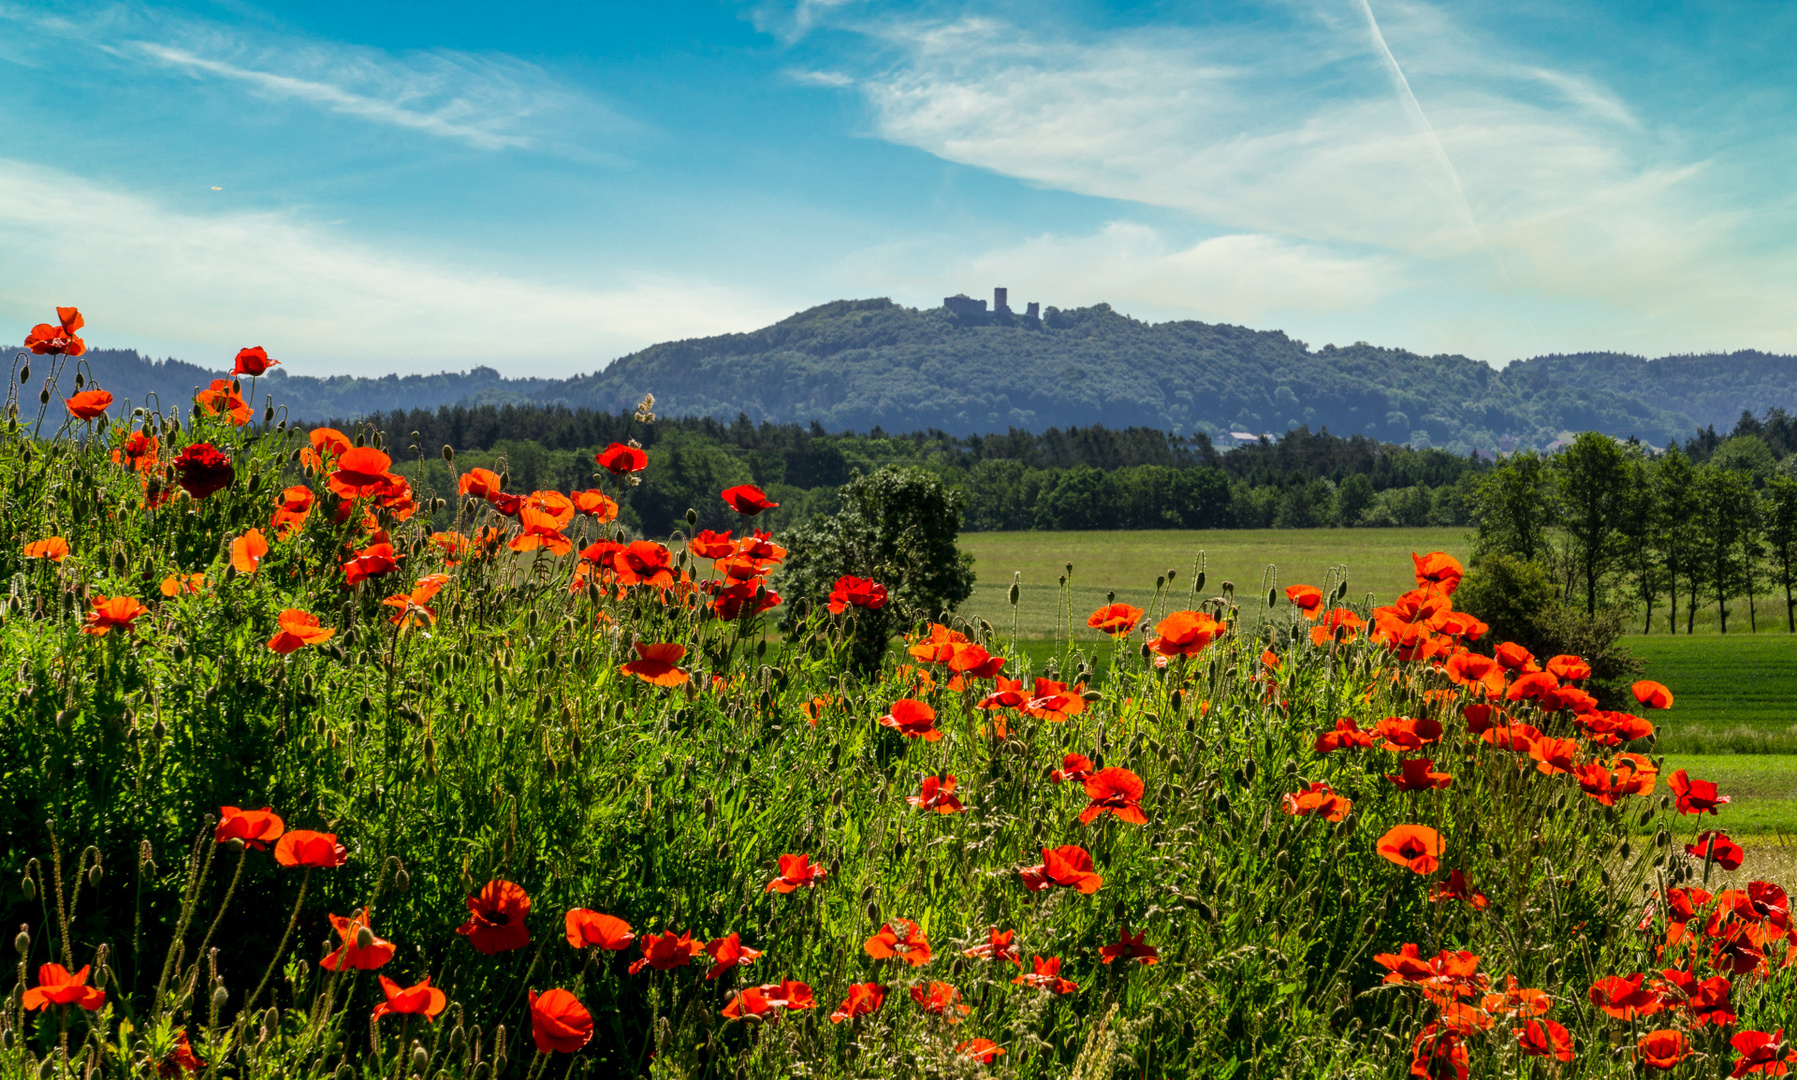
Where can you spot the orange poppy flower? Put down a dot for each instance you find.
(115, 613)
(1624, 999)
(1415, 846)
(1073, 767)
(372, 561)
(938, 794)
(1716, 845)
(747, 499)
(1762, 1054)
(247, 551)
(54, 548)
(619, 459)
(1652, 694)
(1114, 790)
(539, 529)
(256, 828)
(856, 592)
(657, 663)
(1437, 570)
(58, 339)
(1544, 1038)
(1456, 888)
(608, 932)
(1345, 735)
(1342, 619)
(1008, 694)
(644, 562)
(1514, 657)
(414, 607)
(1184, 633)
(1317, 798)
(796, 871)
(1129, 947)
(769, 1000)
(664, 952)
(912, 719)
(998, 946)
(1597, 782)
(1046, 975)
(864, 999)
(985, 1051)
(559, 1023)
(596, 504)
(176, 584)
(1516, 1002)
(728, 952)
(1405, 734)
(939, 999)
(419, 999)
(900, 939)
(181, 1057)
(88, 404)
(1306, 598)
(1636, 774)
(223, 397)
(299, 629)
(1695, 796)
(1663, 1049)
(1115, 619)
(478, 483)
(361, 471)
(711, 544)
(303, 847)
(1475, 671)
(1055, 701)
(57, 986)
(138, 452)
(1517, 737)
(252, 361)
(496, 918)
(1069, 867)
(1554, 756)
(352, 953)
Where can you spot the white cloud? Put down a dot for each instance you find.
(201, 286)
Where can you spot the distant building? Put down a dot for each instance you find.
(969, 310)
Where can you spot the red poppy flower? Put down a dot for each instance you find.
(1336, 621)
(248, 550)
(201, 470)
(1069, 867)
(88, 404)
(1404, 734)
(728, 952)
(1114, 791)
(1345, 735)
(864, 999)
(496, 918)
(984, 1051)
(181, 1057)
(912, 719)
(1554, 756)
(58, 339)
(303, 847)
(1130, 948)
(1415, 846)
(1184, 633)
(1652, 694)
(1306, 598)
(1624, 999)
(1708, 1001)
(998, 946)
(856, 592)
(298, 629)
(352, 953)
(56, 986)
(1636, 774)
(666, 951)
(711, 544)
(177, 584)
(1437, 570)
(586, 928)
(747, 499)
(54, 548)
(1316, 798)
(1046, 975)
(644, 562)
(1416, 774)
(1544, 1038)
(1455, 888)
(900, 939)
(1663, 1049)
(252, 361)
(1516, 1002)
(1711, 844)
(223, 397)
(619, 459)
(257, 828)
(361, 471)
(796, 871)
(939, 999)
(538, 529)
(115, 613)
(372, 561)
(1514, 657)
(1766, 1055)
(420, 999)
(559, 1023)
(1437, 1054)
(478, 484)
(1115, 619)
(1479, 673)
(1073, 767)
(1695, 796)
(290, 514)
(1516, 737)
(938, 794)
(138, 452)
(769, 1000)
(657, 664)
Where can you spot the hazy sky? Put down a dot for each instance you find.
(544, 186)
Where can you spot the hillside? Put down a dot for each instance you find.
(861, 364)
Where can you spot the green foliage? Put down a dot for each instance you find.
(1521, 602)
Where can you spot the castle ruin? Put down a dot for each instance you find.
(968, 310)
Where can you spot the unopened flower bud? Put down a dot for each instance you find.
(220, 996)
(22, 942)
(420, 1056)
(364, 938)
(94, 874)
(28, 886)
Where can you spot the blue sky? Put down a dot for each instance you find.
(545, 186)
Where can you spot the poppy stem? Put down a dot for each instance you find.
(243, 854)
(292, 921)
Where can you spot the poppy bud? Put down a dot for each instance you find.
(420, 1056)
(158, 730)
(1160, 581)
(1015, 593)
(873, 912)
(220, 996)
(44, 397)
(349, 773)
(93, 876)
(23, 941)
(25, 374)
(364, 938)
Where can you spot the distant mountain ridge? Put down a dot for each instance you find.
(860, 364)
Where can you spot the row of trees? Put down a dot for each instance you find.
(1655, 533)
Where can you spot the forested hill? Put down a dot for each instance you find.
(862, 364)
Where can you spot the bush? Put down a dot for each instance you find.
(1521, 602)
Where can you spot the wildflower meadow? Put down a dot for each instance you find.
(310, 769)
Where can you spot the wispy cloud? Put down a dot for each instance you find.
(201, 285)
